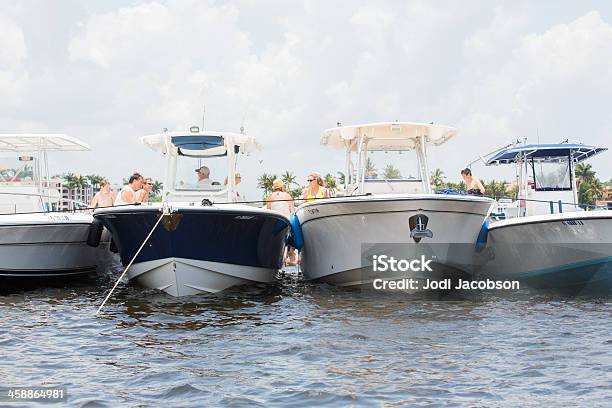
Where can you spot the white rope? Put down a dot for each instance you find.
(164, 213)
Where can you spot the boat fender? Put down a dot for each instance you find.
(481, 241)
(296, 239)
(95, 233)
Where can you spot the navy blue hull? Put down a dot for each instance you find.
(206, 234)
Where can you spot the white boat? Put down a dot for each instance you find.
(36, 241)
(544, 238)
(397, 217)
(205, 243)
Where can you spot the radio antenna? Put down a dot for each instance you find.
(203, 116)
(246, 111)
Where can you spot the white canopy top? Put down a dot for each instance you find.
(203, 143)
(386, 135)
(33, 142)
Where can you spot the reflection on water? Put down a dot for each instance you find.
(295, 343)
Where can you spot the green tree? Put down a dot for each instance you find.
(391, 172)
(584, 172)
(437, 178)
(73, 180)
(157, 188)
(496, 189)
(265, 183)
(590, 191)
(330, 182)
(370, 167)
(95, 179)
(289, 179)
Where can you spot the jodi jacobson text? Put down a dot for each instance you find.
(444, 284)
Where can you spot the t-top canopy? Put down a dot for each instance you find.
(33, 142)
(544, 152)
(201, 144)
(387, 135)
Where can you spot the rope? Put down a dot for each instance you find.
(164, 213)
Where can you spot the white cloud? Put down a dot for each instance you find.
(13, 53)
(498, 72)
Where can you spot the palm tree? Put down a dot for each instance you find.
(590, 191)
(370, 167)
(437, 178)
(391, 172)
(157, 187)
(71, 181)
(289, 179)
(95, 180)
(584, 172)
(265, 182)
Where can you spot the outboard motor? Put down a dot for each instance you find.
(95, 233)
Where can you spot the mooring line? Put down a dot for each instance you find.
(165, 211)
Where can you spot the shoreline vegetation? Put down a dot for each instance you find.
(590, 188)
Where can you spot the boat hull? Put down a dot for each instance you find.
(568, 252)
(48, 246)
(340, 235)
(198, 249)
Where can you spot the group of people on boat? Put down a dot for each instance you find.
(137, 190)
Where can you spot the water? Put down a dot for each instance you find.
(297, 344)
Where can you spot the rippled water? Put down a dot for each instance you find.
(299, 344)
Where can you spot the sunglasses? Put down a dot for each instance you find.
(310, 180)
(149, 184)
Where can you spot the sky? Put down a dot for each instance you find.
(108, 72)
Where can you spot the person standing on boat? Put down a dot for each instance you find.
(127, 195)
(315, 188)
(281, 201)
(472, 184)
(142, 195)
(204, 181)
(236, 193)
(103, 198)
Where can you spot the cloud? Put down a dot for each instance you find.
(288, 70)
(13, 54)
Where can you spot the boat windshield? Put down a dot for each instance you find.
(552, 174)
(201, 174)
(13, 170)
(391, 172)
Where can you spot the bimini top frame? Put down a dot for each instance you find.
(385, 136)
(543, 152)
(200, 144)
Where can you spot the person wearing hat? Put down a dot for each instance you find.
(204, 180)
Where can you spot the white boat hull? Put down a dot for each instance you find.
(47, 245)
(185, 277)
(569, 252)
(338, 233)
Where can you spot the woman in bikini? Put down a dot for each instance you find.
(315, 188)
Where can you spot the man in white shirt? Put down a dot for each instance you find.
(204, 180)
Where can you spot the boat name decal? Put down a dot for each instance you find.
(244, 217)
(573, 222)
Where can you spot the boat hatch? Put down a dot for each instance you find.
(200, 145)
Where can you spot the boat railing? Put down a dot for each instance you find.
(73, 205)
(555, 206)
